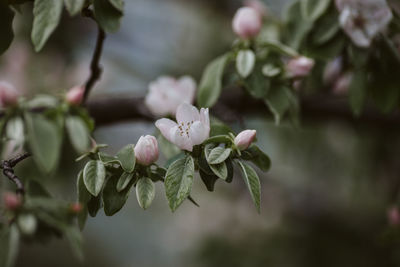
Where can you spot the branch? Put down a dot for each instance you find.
(8, 170)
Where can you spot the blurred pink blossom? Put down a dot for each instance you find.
(8, 94)
(393, 215)
(75, 95)
(300, 66)
(11, 201)
(247, 22)
(167, 93)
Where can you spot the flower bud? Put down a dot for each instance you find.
(244, 139)
(12, 201)
(75, 95)
(299, 67)
(146, 150)
(332, 70)
(8, 94)
(341, 86)
(76, 207)
(247, 22)
(393, 215)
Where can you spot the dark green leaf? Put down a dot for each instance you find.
(178, 181)
(208, 179)
(253, 183)
(94, 205)
(47, 14)
(278, 102)
(74, 6)
(258, 157)
(74, 238)
(124, 181)
(107, 15)
(9, 245)
(126, 157)
(45, 140)
(314, 9)
(83, 197)
(358, 91)
(94, 175)
(211, 82)
(112, 199)
(6, 20)
(145, 192)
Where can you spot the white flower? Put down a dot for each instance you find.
(166, 94)
(363, 20)
(191, 128)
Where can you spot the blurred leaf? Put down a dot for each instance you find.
(94, 175)
(219, 128)
(314, 9)
(107, 15)
(45, 141)
(42, 101)
(167, 148)
(280, 48)
(105, 158)
(178, 181)
(211, 82)
(83, 197)
(219, 139)
(15, 130)
(218, 155)
(74, 6)
(357, 91)
(78, 133)
(118, 4)
(253, 183)
(112, 199)
(6, 20)
(326, 28)
(145, 192)
(47, 14)
(35, 189)
(297, 28)
(208, 179)
(258, 157)
(278, 102)
(9, 245)
(257, 84)
(126, 157)
(27, 223)
(94, 205)
(124, 180)
(245, 61)
(74, 238)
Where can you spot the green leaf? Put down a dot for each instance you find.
(9, 244)
(253, 183)
(6, 20)
(47, 14)
(107, 15)
(220, 169)
(280, 48)
(118, 4)
(178, 181)
(245, 61)
(208, 180)
(211, 82)
(27, 223)
(112, 199)
(229, 167)
(74, 238)
(357, 91)
(145, 192)
(314, 9)
(297, 28)
(278, 102)
(78, 133)
(219, 128)
(105, 158)
(45, 139)
(94, 205)
(42, 101)
(74, 6)
(124, 181)
(94, 175)
(126, 157)
(15, 130)
(218, 155)
(258, 157)
(326, 28)
(219, 139)
(83, 197)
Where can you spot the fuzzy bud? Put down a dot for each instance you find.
(76, 207)
(244, 139)
(8, 94)
(146, 150)
(247, 22)
(300, 66)
(75, 95)
(12, 201)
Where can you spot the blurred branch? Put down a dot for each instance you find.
(8, 170)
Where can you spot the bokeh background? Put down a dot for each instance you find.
(324, 202)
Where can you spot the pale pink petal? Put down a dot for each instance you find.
(187, 89)
(198, 133)
(181, 139)
(205, 117)
(165, 126)
(187, 113)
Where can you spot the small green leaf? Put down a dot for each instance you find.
(280, 48)
(107, 15)
(245, 61)
(112, 199)
(208, 180)
(94, 175)
(258, 157)
(124, 180)
(211, 82)
(47, 14)
(145, 192)
(44, 138)
(314, 9)
(6, 20)
(253, 183)
(94, 205)
(126, 157)
(219, 139)
(78, 133)
(74, 6)
(178, 181)
(27, 223)
(218, 155)
(105, 158)
(278, 101)
(220, 170)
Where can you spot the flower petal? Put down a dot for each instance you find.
(181, 140)
(198, 133)
(165, 126)
(187, 113)
(205, 117)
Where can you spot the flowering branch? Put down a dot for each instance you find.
(8, 170)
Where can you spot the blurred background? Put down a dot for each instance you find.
(324, 202)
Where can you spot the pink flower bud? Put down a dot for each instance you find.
(332, 70)
(299, 67)
(11, 201)
(247, 22)
(76, 207)
(8, 94)
(244, 139)
(393, 215)
(146, 150)
(341, 86)
(75, 95)
(257, 5)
